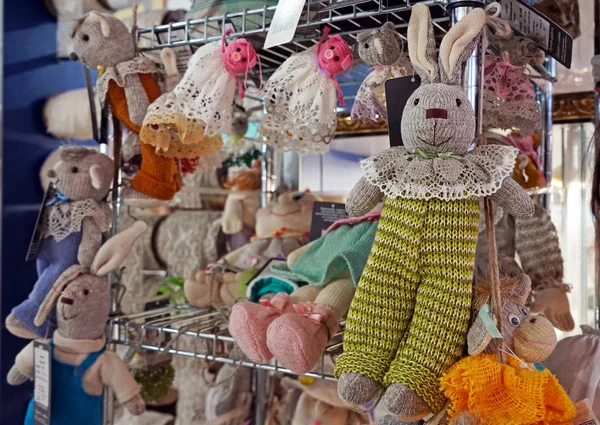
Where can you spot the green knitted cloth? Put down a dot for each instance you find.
(409, 317)
(346, 248)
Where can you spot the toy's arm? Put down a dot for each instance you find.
(478, 337)
(513, 199)
(363, 198)
(137, 99)
(91, 239)
(115, 374)
(22, 370)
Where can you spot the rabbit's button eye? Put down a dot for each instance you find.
(244, 59)
(366, 46)
(86, 292)
(336, 58)
(416, 102)
(74, 169)
(238, 50)
(332, 47)
(514, 320)
(85, 37)
(458, 102)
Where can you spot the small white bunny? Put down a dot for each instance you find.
(409, 317)
(80, 366)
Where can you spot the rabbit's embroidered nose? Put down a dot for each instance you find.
(66, 301)
(436, 113)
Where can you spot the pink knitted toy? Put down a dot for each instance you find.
(301, 97)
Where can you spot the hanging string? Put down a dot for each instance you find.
(134, 28)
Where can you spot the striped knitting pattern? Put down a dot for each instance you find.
(410, 314)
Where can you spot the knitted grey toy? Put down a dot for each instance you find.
(382, 48)
(72, 225)
(80, 366)
(127, 81)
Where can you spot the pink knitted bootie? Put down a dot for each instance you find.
(249, 321)
(298, 340)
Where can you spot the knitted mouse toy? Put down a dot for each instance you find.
(519, 391)
(73, 222)
(200, 107)
(127, 81)
(301, 97)
(80, 366)
(409, 317)
(381, 48)
(296, 330)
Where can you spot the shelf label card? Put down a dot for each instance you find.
(42, 361)
(284, 23)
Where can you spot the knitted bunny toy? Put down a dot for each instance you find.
(382, 49)
(200, 107)
(73, 223)
(127, 81)
(301, 97)
(409, 317)
(296, 330)
(516, 392)
(80, 366)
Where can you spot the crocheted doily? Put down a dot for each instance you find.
(301, 105)
(238, 146)
(400, 173)
(523, 115)
(366, 107)
(137, 65)
(64, 218)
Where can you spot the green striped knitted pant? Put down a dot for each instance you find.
(409, 317)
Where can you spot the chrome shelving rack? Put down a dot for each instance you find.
(164, 329)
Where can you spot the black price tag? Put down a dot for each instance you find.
(528, 21)
(324, 214)
(42, 361)
(38, 231)
(397, 92)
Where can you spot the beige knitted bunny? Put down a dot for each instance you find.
(410, 315)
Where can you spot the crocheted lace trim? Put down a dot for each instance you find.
(400, 173)
(366, 107)
(301, 105)
(523, 115)
(64, 218)
(137, 65)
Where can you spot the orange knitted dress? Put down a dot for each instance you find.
(158, 177)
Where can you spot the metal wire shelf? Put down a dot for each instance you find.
(254, 24)
(200, 333)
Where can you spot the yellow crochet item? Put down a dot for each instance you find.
(506, 394)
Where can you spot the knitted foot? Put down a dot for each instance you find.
(298, 340)
(202, 288)
(248, 324)
(554, 304)
(404, 403)
(133, 198)
(392, 420)
(358, 389)
(17, 328)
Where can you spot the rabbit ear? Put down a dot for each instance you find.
(115, 250)
(421, 44)
(60, 284)
(458, 44)
(231, 222)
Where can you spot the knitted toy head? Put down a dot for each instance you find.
(101, 40)
(380, 47)
(82, 173)
(438, 117)
(290, 213)
(81, 295)
(333, 54)
(530, 338)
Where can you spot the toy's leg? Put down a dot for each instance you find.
(157, 177)
(298, 340)
(60, 256)
(383, 302)
(437, 331)
(306, 293)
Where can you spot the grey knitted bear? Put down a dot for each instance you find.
(382, 48)
(80, 366)
(73, 223)
(128, 82)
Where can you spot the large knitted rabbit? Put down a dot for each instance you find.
(80, 366)
(409, 317)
